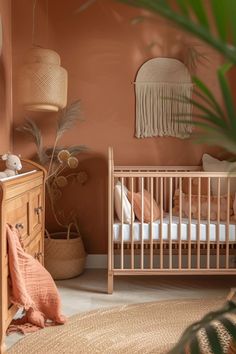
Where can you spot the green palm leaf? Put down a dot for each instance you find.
(211, 136)
(209, 103)
(183, 6)
(226, 93)
(199, 26)
(220, 16)
(200, 12)
(230, 6)
(208, 95)
(212, 116)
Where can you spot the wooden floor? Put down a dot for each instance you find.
(88, 291)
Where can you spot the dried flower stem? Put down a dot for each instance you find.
(52, 156)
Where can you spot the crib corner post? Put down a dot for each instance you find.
(110, 282)
(2, 339)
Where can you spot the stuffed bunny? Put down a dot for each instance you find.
(13, 165)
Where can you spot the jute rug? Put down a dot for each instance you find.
(142, 328)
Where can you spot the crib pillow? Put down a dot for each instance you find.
(146, 206)
(118, 196)
(194, 185)
(211, 164)
(203, 206)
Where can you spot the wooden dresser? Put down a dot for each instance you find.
(22, 205)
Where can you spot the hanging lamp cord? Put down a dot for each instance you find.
(33, 22)
(35, 2)
(47, 24)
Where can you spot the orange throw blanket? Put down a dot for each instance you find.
(32, 288)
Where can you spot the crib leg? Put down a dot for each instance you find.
(110, 283)
(2, 343)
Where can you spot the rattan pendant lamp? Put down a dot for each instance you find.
(42, 82)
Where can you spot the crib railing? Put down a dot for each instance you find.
(168, 253)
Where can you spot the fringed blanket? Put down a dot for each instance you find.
(32, 288)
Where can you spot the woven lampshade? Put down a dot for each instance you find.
(42, 82)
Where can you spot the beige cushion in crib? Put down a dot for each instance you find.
(203, 206)
(118, 195)
(146, 206)
(194, 187)
(211, 164)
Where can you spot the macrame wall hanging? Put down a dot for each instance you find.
(159, 86)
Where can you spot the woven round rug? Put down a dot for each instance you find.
(141, 328)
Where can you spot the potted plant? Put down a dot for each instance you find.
(64, 251)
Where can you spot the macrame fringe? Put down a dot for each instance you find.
(161, 108)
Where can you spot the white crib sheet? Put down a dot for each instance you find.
(117, 228)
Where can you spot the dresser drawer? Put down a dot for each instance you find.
(35, 247)
(19, 186)
(17, 211)
(36, 209)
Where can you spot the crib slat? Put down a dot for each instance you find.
(132, 223)
(165, 193)
(142, 211)
(180, 224)
(199, 224)
(170, 223)
(227, 224)
(218, 226)
(151, 224)
(122, 224)
(157, 190)
(161, 223)
(189, 220)
(208, 220)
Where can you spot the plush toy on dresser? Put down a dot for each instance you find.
(13, 165)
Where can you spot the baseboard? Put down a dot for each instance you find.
(96, 261)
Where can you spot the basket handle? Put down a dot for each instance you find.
(47, 234)
(69, 228)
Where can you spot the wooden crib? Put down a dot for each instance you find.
(174, 244)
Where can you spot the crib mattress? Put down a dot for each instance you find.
(137, 231)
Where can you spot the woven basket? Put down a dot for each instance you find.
(64, 254)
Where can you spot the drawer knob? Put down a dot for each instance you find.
(37, 255)
(19, 226)
(38, 210)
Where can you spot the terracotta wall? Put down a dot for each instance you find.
(6, 78)
(102, 52)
